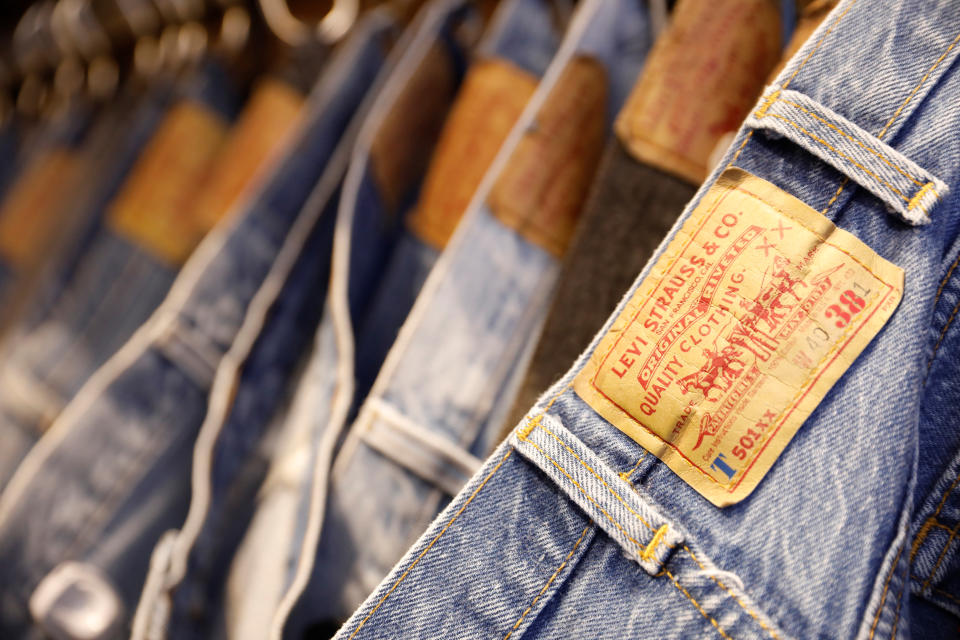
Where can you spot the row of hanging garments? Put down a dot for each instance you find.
(478, 319)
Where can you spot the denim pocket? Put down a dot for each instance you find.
(905, 187)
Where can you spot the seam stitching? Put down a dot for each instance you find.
(729, 591)
(886, 160)
(886, 586)
(829, 146)
(696, 604)
(432, 542)
(947, 594)
(549, 582)
(819, 42)
(943, 282)
(588, 496)
(686, 548)
(897, 113)
(598, 477)
(943, 334)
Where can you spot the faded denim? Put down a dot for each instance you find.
(114, 471)
(77, 326)
(556, 529)
(440, 398)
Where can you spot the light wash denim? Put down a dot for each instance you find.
(59, 347)
(440, 397)
(387, 265)
(183, 593)
(554, 536)
(114, 471)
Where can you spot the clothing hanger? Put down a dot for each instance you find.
(295, 32)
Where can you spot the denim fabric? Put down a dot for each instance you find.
(559, 529)
(64, 135)
(631, 208)
(635, 199)
(114, 471)
(383, 256)
(183, 596)
(445, 386)
(50, 360)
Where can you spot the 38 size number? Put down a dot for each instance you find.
(850, 303)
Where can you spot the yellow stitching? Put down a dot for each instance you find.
(786, 84)
(943, 334)
(947, 594)
(943, 500)
(736, 155)
(524, 431)
(549, 582)
(651, 548)
(835, 195)
(898, 111)
(919, 84)
(819, 42)
(733, 595)
(883, 596)
(626, 475)
(842, 155)
(762, 111)
(598, 477)
(896, 618)
(943, 282)
(858, 141)
(456, 515)
(943, 553)
(432, 542)
(586, 495)
(921, 536)
(730, 593)
(661, 532)
(915, 200)
(697, 605)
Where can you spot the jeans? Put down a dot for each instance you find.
(386, 172)
(572, 529)
(31, 215)
(114, 470)
(442, 392)
(659, 156)
(183, 592)
(52, 357)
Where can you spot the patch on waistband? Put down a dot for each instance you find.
(756, 308)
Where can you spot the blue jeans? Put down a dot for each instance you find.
(63, 137)
(114, 471)
(436, 404)
(572, 529)
(387, 265)
(78, 327)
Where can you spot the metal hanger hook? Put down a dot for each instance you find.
(294, 32)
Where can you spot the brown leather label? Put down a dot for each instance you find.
(154, 207)
(541, 190)
(489, 104)
(264, 124)
(700, 80)
(408, 133)
(29, 214)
